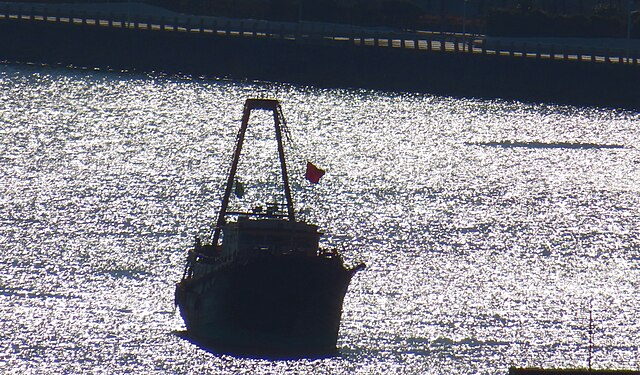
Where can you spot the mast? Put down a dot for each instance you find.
(283, 163)
(249, 105)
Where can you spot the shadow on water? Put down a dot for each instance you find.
(254, 353)
(565, 145)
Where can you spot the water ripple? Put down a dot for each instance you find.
(479, 258)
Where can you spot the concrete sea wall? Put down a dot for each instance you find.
(308, 54)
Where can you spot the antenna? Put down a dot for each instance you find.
(590, 333)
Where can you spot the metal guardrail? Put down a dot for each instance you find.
(316, 33)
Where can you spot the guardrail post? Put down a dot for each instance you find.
(538, 51)
(187, 24)
(512, 47)
(224, 27)
(268, 29)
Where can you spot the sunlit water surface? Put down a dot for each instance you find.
(479, 257)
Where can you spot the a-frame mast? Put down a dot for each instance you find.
(249, 105)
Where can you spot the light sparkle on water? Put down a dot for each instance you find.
(478, 257)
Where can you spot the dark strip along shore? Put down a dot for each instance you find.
(305, 53)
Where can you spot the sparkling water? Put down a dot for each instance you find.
(480, 255)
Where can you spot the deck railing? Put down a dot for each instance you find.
(309, 32)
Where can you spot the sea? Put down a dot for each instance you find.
(496, 233)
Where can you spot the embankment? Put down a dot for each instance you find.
(321, 61)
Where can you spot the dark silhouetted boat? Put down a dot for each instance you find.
(263, 286)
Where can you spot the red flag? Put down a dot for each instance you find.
(313, 173)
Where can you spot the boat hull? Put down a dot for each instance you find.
(271, 305)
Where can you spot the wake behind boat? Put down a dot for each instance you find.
(263, 286)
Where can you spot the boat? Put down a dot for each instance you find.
(263, 286)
